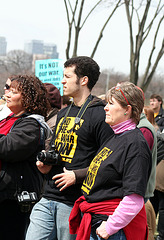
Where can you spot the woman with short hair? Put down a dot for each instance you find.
(114, 187)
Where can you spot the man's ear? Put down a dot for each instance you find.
(84, 80)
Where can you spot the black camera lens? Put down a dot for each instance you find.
(41, 156)
(50, 158)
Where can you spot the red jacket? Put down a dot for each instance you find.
(136, 230)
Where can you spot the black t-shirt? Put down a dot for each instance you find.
(78, 148)
(121, 167)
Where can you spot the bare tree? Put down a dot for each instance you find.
(76, 22)
(101, 85)
(147, 21)
(16, 62)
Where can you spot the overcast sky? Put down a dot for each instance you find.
(21, 21)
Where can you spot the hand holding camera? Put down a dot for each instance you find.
(51, 157)
(43, 168)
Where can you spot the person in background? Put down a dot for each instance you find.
(150, 117)
(80, 131)
(149, 132)
(65, 101)
(156, 104)
(20, 141)
(114, 188)
(54, 98)
(150, 135)
(5, 111)
(151, 219)
(102, 96)
(157, 200)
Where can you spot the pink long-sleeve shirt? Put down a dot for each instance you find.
(127, 209)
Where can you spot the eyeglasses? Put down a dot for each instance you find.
(6, 87)
(119, 89)
(3, 98)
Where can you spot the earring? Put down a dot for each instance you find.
(124, 113)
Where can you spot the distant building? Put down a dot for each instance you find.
(3, 46)
(51, 50)
(38, 47)
(34, 47)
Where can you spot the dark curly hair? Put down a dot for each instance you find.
(34, 94)
(85, 66)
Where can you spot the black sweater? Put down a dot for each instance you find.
(78, 148)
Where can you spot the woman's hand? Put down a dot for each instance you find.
(65, 179)
(43, 168)
(101, 231)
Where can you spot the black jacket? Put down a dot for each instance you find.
(160, 119)
(18, 157)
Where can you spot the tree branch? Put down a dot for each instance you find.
(101, 32)
(77, 29)
(90, 12)
(147, 79)
(70, 23)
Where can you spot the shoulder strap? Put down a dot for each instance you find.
(81, 112)
(54, 136)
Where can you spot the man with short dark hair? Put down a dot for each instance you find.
(156, 105)
(80, 130)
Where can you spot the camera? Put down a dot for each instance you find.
(26, 200)
(26, 197)
(51, 157)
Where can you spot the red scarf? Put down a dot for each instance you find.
(6, 124)
(136, 230)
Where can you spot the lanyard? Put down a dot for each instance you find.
(77, 118)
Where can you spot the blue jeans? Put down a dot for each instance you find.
(117, 236)
(49, 221)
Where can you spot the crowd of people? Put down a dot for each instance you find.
(79, 166)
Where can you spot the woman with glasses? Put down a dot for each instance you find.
(114, 187)
(22, 136)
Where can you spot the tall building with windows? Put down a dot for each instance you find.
(38, 47)
(51, 51)
(34, 47)
(3, 46)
